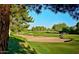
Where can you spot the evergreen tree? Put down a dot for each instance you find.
(19, 18)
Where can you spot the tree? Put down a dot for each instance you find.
(77, 25)
(39, 28)
(4, 26)
(19, 18)
(71, 9)
(77, 28)
(74, 29)
(4, 17)
(59, 27)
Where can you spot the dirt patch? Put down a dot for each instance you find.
(41, 38)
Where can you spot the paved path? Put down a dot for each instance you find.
(41, 38)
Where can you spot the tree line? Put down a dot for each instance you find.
(58, 28)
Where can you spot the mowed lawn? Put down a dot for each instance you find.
(36, 33)
(55, 48)
(45, 47)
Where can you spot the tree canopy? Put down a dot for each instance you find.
(59, 27)
(71, 9)
(19, 17)
(39, 28)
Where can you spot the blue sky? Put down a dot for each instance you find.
(48, 19)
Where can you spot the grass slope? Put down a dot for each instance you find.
(19, 45)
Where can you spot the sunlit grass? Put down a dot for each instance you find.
(44, 47)
(55, 48)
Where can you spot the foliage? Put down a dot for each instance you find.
(73, 29)
(77, 25)
(59, 27)
(39, 28)
(71, 9)
(77, 28)
(19, 45)
(19, 18)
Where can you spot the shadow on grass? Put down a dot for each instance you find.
(15, 48)
(76, 42)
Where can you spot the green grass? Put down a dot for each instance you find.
(44, 47)
(72, 36)
(40, 34)
(14, 46)
(55, 48)
(48, 34)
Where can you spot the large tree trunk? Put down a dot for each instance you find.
(4, 27)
